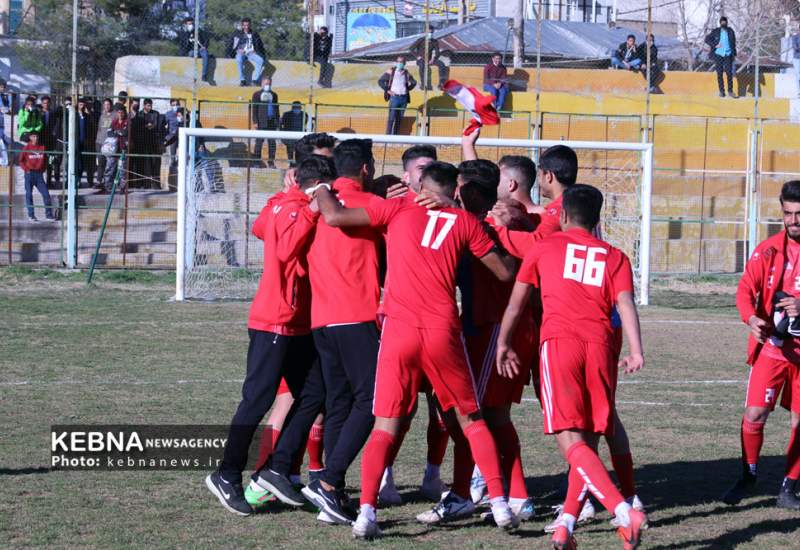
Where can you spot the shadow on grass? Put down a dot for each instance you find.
(23, 471)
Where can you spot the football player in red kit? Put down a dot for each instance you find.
(580, 278)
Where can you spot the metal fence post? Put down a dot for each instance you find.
(72, 185)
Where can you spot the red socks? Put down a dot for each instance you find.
(511, 459)
(314, 447)
(437, 441)
(373, 463)
(588, 465)
(462, 466)
(793, 455)
(576, 493)
(623, 466)
(269, 437)
(752, 439)
(484, 451)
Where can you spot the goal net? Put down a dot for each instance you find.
(223, 187)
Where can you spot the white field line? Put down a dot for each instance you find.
(661, 403)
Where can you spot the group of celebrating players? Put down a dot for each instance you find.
(542, 299)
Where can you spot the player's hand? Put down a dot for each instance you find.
(396, 190)
(758, 327)
(510, 214)
(790, 305)
(434, 201)
(632, 363)
(470, 139)
(508, 363)
(288, 180)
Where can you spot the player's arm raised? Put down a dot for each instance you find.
(468, 144)
(508, 363)
(334, 213)
(634, 361)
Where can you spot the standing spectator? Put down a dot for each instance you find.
(86, 136)
(186, 45)
(122, 99)
(626, 55)
(397, 84)
(6, 108)
(722, 42)
(265, 114)
(152, 125)
(135, 163)
(52, 119)
(113, 147)
(293, 120)
(655, 71)
(103, 126)
(173, 120)
(29, 119)
(323, 43)
(33, 161)
(796, 52)
(246, 44)
(495, 81)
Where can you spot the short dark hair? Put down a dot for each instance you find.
(723, 18)
(417, 152)
(383, 183)
(31, 98)
(790, 192)
(497, 54)
(482, 171)
(305, 145)
(350, 155)
(147, 101)
(478, 197)
(3, 82)
(524, 167)
(631, 36)
(315, 168)
(47, 97)
(108, 99)
(246, 20)
(187, 19)
(323, 28)
(582, 204)
(444, 174)
(562, 162)
(122, 94)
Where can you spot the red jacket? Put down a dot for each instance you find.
(33, 158)
(283, 301)
(762, 277)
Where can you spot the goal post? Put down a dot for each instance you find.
(213, 225)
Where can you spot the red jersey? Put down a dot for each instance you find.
(790, 349)
(343, 266)
(32, 158)
(519, 243)
(423, 248)
(579, 278)
(283, 301)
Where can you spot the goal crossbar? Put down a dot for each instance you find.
(645, 149)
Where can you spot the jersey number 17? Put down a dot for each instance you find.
(588, 270)
(433, 218)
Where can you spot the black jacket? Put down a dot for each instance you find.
(265, 115)
(641, 53)
(53, 120)
(238, 39)
(186, 41)
(713, 39)
(623, 49)
(385, 82)
(322, 46)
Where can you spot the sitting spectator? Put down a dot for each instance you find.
(722, 42)
(627, 55)
(265, 113)
(495, 81)
(434, 58)
(397, 84)
(293, 120)
(103, 126)
(655, 71)
(323, 43)
(33, 161)
(29, 119)
(186, 44)
(246, 44)
(113, 147)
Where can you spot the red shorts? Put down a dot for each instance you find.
(579, 380)
(495, 390)
(284, 387)
(767, 378)
(407, 356)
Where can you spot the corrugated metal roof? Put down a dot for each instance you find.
(560, 40)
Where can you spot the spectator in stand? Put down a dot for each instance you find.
(86, 135)
(152, 125)
(103, 126)
(722, 42)
(323, 44)
(29, 119)
(627, 55)
(122, 99)
(655, 70)
(135, 163)
(52, 133)
(6, 108)
(186, 45)
(173, 120)
(424, 63)
(246, 45)
(796, 52)
(396, 84)
(265, 115)
(33, 160)
(294, 120)
(113, 147)
(495, 81)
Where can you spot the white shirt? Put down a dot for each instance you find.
(248, 45)
(399, 84)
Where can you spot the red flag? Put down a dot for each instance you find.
(481, 106)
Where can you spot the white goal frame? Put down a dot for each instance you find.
(646, 188)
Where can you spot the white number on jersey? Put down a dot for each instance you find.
(433, 218)
(797, 283)
(588, 270)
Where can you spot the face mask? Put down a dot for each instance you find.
(179, 118)
(190, 28)
(175, 108)
(267, 87)
(400, 66)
